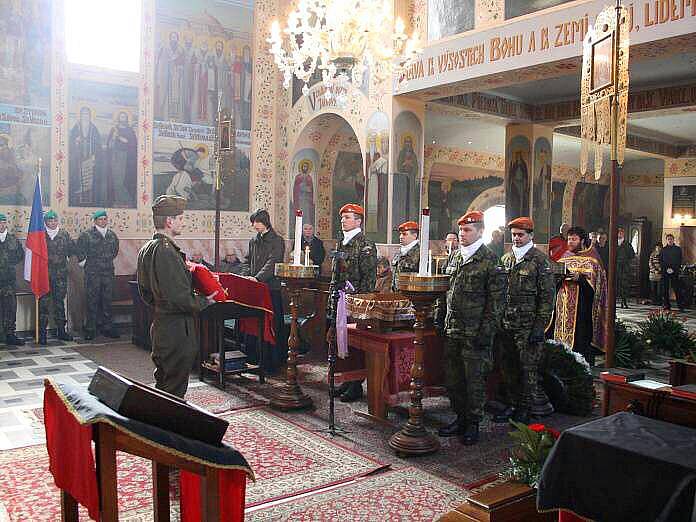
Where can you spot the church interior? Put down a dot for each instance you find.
(438, 260)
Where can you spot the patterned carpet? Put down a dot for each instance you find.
(406, 494)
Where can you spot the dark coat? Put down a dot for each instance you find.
(265, 250)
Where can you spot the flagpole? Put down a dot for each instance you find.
(36, 300)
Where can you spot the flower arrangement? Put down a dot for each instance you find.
(574, 374)
(665, 331)
(534, 443)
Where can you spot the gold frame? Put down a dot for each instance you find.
(610, 82)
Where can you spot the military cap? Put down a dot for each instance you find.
(409, 225)
(352, 207)
(168, 206)
(99, 213)
(51, 214)
(3, 217)
(524, 222)
(473, 216)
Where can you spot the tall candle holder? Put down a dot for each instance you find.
(289, 395)
(413, 438)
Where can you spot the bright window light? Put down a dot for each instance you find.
(103, 33)
(493, 218)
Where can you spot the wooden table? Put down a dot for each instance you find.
(388, 358)
(658, 404)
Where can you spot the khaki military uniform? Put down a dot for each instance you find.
(164, 282)
(529, 303)
(99, 253)
(11, 254)
(59, 249)
(404, 263)
(474, 301)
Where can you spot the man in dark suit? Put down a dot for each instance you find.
(670, 261)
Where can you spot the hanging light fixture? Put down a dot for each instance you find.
(341, 38)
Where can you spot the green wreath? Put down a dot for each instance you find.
(567, 379)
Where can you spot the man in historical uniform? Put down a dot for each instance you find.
(470, 321)
(624, 258)
(265, 250)
(60, 246)
(360, 260)
(11, 254)
(581, 299)
(525, 317)
(408, 257)
(164, 283)
(98, 247)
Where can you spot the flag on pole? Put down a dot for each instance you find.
(36, 257)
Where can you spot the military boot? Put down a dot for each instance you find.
(470, 435)
(43, 341)
(63, 335)
(456, 427)
(12, 340)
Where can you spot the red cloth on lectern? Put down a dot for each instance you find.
(567, 516)
(232, 491)
(205, 282)
(253, 294)
(69, 445)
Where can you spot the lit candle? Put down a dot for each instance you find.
(297, 252)
(424, 263)
(430, 262)
(306, 256)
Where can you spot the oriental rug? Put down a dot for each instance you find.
(405, 494)
(288, 459)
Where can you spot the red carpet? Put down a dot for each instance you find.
(405, 494)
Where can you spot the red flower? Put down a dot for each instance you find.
(554, 433)
(537, 427)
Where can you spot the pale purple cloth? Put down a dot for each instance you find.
(342, 322)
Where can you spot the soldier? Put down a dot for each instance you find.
(624, 258)
(474, 300)
(361, 271)
(164, 282)
(409, 256)
(97, 248)
(60, 246)
(526, 315)
(11, 253)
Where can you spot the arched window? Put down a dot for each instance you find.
(493, 217)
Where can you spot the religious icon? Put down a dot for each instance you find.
(602, 53)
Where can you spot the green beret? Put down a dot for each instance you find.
(3, 217)
(51, 214)
(166, 205)
(99, 213)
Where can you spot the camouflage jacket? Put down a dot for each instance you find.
(475, 296)
(403, 263)
(164, 282)
(529, 299)
(59, 249)
(360, 268)
(11, 253)
(99, 251)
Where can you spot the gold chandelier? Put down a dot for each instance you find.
(343, 39)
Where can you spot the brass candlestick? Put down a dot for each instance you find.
(289, 395)
(413, 438)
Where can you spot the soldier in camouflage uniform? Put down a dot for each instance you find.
(529, 303)
(408, 258)
(11, 253)
(360, 270)
(98, 247)
(60, 246)
(164, 282)
(474, 301)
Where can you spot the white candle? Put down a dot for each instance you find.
(430, 262)
(298, 238)
(306, 256)
(424, 265)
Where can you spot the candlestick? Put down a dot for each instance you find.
(306, 256)
(298, 237)
(430, 262)
(423, 265)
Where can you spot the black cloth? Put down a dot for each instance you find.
(603, 252)
(583, 323)
(316, 249)
(622, 468)
(89, 410)
(671, 257)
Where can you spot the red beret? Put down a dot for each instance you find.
(352, 207)
(408, 225)
(524, 222)
(473, 216)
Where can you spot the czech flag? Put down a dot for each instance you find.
(36, 256)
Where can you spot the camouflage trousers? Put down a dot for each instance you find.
(99, 289)
(8, 312)
(467, 364)
(54, 303)
(520, 365)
